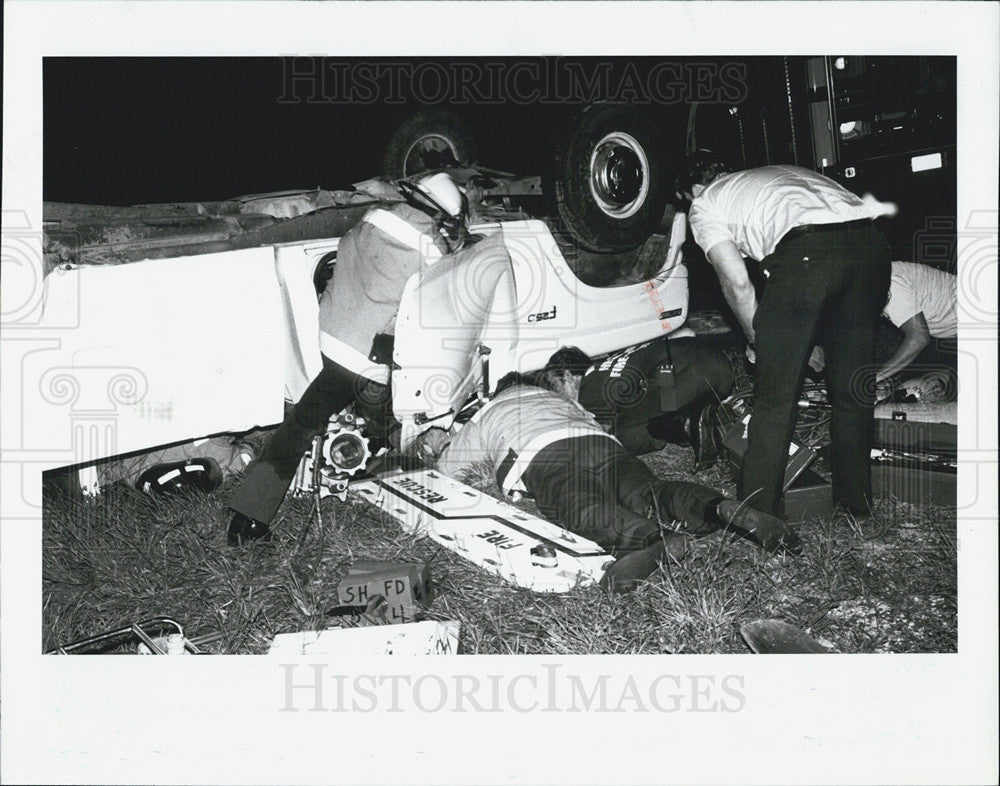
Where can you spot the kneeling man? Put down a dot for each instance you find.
(650, 394)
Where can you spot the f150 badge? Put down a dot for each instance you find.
(542, 316)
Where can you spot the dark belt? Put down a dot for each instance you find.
(505, 467)
(816, 229)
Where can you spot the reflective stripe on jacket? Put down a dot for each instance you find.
(510, 430)
(374, 261)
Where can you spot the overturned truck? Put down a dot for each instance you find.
(201, 319)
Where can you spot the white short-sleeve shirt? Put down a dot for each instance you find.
(757, 207)
(920, 289)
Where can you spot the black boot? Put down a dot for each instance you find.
(628, 572)
(701, 435)
(768, 532)
(243, 529)
(669, 427)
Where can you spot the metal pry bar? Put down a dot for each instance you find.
(137, 629)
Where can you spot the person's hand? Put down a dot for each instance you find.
(751, 354)
(883, 390)
(877, 208)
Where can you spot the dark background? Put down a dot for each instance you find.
(123, 131)
(127, 131)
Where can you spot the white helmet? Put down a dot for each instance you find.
(442, 189)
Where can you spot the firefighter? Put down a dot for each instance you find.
(374, 260)
(660, 391)
(581, 477)
(827, 275)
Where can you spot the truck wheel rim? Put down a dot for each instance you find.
(619, 175)
(413, 162)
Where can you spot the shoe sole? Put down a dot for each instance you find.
(628, 572)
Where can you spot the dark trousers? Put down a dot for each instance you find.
(267, 479)
(591, 486)
(702, 372)
(702, 375)
(829, 286)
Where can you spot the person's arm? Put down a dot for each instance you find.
(916, 336)
(465, 450)
(736, 285)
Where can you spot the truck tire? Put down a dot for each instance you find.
(430, 139)
(610, 179)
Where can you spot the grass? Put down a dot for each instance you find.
(884, 584)
(887, 583)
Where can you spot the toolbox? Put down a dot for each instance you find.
(914, 458)
(734, 441)
(915, 455)
(809, 496)
(919, 479)
(917, 427)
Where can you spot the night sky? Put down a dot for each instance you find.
(120, 131)
(135, 130)
(124, 131)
